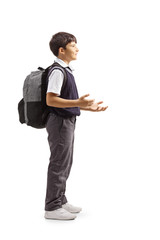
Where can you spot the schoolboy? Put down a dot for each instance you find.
(65, 105)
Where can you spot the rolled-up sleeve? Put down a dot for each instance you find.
(55, 82)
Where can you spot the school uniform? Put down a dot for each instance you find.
(60, 127)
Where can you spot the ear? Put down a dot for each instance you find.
(61, 50)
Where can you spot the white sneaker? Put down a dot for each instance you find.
(70, 208)
(59, 214)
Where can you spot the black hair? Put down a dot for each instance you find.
(60, 39)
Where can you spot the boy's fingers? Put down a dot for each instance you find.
(84, 96)
(102, 108)
(100, 102)
(90, 102)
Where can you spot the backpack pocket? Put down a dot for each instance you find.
(21, 111)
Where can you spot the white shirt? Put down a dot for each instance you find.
(56, 78)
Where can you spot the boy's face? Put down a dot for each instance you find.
(71, 51)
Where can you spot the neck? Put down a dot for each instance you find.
(64, 60)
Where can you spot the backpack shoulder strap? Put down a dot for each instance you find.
(54, 66)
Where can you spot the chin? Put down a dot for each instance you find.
(74, 59)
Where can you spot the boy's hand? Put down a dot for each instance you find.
(83, 102)
(96, 108)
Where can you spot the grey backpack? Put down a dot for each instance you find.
(32, 108)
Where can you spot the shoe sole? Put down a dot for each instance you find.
(59, 219)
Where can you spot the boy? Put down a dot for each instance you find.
(65, 105)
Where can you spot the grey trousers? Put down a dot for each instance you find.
(61, 140)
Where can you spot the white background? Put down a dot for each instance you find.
(116, 172)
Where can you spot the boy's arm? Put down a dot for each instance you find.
(53, 100)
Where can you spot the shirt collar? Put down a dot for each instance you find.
(63, 64)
